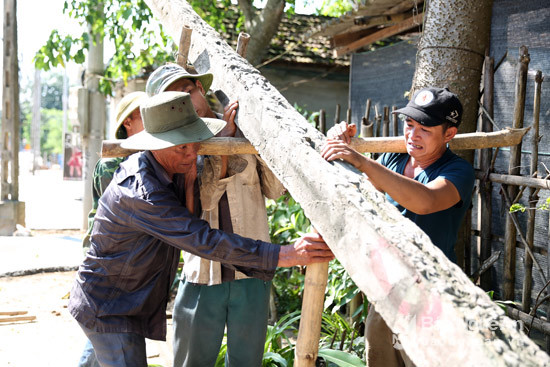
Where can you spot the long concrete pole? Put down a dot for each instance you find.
(441, 317)
(94, 132)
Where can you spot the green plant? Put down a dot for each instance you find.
(518, 207)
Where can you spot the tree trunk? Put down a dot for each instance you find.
(94, 131)
(452, 50)
(261, 26)
(442, 318)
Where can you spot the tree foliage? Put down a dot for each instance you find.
(140, 45)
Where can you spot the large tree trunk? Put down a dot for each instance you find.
(441, 317)
(452, 50)
(261, 26)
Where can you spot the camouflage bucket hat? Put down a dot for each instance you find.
(167, 74)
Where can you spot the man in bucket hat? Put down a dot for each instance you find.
(429, 184)
(148, 214)
(213, 298)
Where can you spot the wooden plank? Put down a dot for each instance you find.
(395, 144)
(409, 23)
(441, 317)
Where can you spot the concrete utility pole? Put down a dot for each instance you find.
(93, 128)
(12, 211)
(35, 129)
(440, 316)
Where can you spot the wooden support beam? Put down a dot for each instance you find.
(440, 316)
(514, 168)
(405, 25)
(185, 43)
(395, 144)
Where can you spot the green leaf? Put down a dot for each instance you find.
(340, 358)
(276, 357)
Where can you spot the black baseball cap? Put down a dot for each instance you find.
(433, 106)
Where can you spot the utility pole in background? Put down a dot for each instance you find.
(35, 130)
(12, 211)
(93, 111)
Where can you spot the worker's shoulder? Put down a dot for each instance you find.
(106, 166)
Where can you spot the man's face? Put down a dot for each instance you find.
(178, 159)
(426, 143)
(196, 91)
(133, 123)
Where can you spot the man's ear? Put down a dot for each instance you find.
(201, 88)
(450, 133)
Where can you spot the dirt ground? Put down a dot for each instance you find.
(54, 338)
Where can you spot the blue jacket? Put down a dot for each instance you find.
(140, 226)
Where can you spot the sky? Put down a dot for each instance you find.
(37, 18)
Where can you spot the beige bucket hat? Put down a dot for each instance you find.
(169, 119)
(124, 108)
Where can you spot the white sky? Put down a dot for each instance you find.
(37, 18)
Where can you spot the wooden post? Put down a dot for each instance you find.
(184, 45)
(533, 197)
(386, 124)
(395, 121)
(323, 122)
(307, 345)
(337, 114)
(366, 128)
(377, 122)
(242, 43)
(485, 186)
(366, 125)
(514, 168)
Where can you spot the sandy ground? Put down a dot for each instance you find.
(54, 338)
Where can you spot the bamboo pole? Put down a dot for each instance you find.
(184, 45)
(366, 125)
(395, 121)
(515, 223)
(307, 345)
(535, 322)
(337, 114)
(537, 183)
(366, 128)
(348, 116)
(485, 187)
(228, 146)
(533, 197)
(386, 122)
(514, 169)
(377, 122)
(323, 122)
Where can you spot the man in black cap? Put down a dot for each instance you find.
(429, 184)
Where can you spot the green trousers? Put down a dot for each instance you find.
(201, 314)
